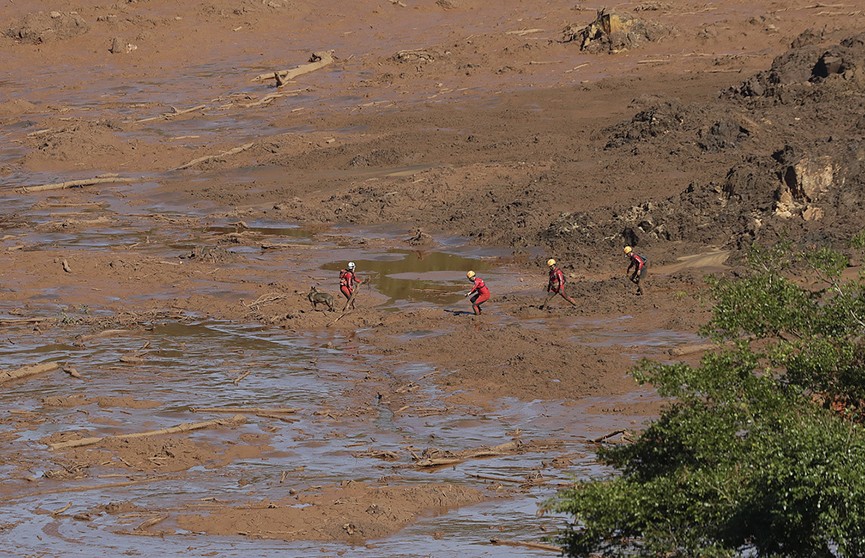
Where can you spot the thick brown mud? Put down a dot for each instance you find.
(443, 136)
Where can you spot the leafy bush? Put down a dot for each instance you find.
(762, 451)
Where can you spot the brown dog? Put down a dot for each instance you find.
(317, 297)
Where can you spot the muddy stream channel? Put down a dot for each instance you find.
(177, 370)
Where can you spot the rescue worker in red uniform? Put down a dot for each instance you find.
(639, 264)
(348, 282)
(556, 284)
(480, 290)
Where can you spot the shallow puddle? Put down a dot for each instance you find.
(438, 277)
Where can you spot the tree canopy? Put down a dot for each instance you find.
(761, 450)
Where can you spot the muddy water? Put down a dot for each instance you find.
(189, 365)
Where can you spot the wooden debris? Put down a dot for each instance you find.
(536, 546)
(88, 488)
(264, 299)
(385, 455)
(497, 479)
(18, 321)
(186, 427)
(151, 522)
(72, 371)
(346, 311)
(272, 96)
(251, 410)
(174, 112)
(690, 349)
(316, 61)
(9, 375)
(234, 151)
(55, 513)
(76, 183)
(103, 333)
(240, 378)
(608, 436)
(66, 267)
(523, 32)
(131, 359)
(433, 457)
(275, 416)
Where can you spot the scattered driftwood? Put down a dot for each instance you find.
(57, 512)
(72, 371)
(174, 112)
(523, 32)
(433, 457)
(385, 455)
(267, 99)
(264, 299)
(504, 479)
(536, 546)
(9, 375)
(316, 61)
(66, 267)
(240, 378)
(606, 437)
(20, 321)
(101, 334)
(151, 522)
(690, 349)
(252, 410)
(76, 183)
(234, 151)
(186, 427)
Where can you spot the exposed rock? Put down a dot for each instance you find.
(121, 46)
(802, 184)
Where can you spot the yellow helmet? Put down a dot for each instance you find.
(628, 250)
(470, 274)
(551, 262)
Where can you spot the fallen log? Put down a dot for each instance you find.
(497, 479)
(251, 410)
(435, 458)
(206, 158)
(536, 546)
(600, 439)
(186, 427)
(174, 112)
(18, 321)
(316, 61)
(26, 371)
(76, 183)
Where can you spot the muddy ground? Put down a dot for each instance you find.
(419, 139)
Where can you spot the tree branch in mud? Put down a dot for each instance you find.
(26, 371)
(172, 114)
(206, 158)
(252, 410)
(76, 183)
(316, 61)
(186, 427)
(536, 546)
(433, 458)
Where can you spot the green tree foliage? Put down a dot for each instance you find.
(762, 450)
